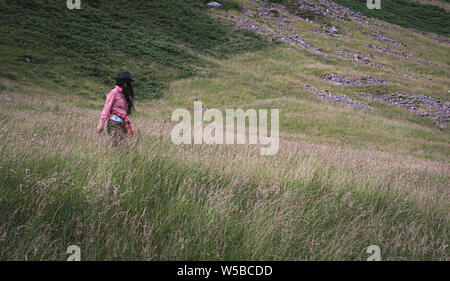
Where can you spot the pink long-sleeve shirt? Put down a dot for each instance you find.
(115, 102)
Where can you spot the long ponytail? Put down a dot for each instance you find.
(128, 92)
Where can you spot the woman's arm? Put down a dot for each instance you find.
(106, 110)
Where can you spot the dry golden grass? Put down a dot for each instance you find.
(343, 179)
(310, 201)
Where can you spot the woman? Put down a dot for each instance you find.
(118, 106)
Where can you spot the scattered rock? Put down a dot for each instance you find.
(337, 98)
(340, 79)
(29, 60)
(273, 21)
(408, 75)
(366, 96)
(333, 29)
(279, 19)
(213, 4)
(390, 52)
(376, 34)
(327, 33)
(360, 58)
(203, 107)
(420, 104)
(332, 10)
(328, 9)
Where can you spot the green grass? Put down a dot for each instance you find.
(147, 204)
(342, 180)
(406, 13)
(159, 41)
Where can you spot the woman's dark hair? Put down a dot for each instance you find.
(127, 91)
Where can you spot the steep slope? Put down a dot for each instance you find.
(336, 31)
(364, 152)
(426, 16)
(160, 41)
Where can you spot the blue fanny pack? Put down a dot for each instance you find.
(116, 118)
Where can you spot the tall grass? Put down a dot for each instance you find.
(152, 200)
(342, 180)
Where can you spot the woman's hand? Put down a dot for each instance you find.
(98, 130)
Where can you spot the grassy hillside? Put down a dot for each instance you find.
(343, 179)
(160, 41)
(425, 17)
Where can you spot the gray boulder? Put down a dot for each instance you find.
(333, 29)
(213, 4)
